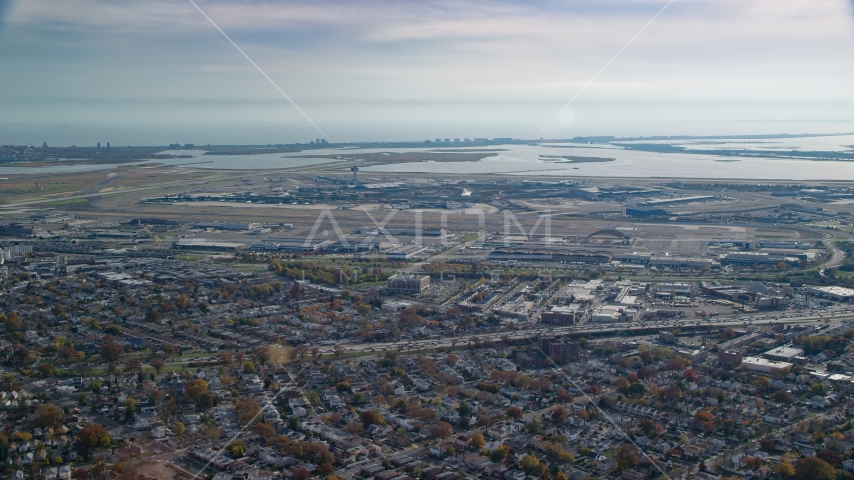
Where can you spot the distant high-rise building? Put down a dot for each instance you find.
(456, 140)
(559, 349)
(61, 268)
(99, 144)
(438, 140)
(108, 144)
(44, 145)
(447, 140)
(411, 284)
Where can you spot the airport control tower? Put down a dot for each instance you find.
(355, 171)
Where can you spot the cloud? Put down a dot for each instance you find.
(343, 54)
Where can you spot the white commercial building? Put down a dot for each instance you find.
(840, 294)
(757, 364)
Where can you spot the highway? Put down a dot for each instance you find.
(834, 314)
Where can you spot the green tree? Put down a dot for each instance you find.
(531, 465)
(130, 409)
(500, 453)
(237, 448)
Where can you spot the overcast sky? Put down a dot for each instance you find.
(419, 69)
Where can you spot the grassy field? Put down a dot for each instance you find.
(70, 201)
(190, 258)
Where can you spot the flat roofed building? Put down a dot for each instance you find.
(783, 354)
(291, 245)
(407, 252)
(695, 355)
(841, 294)
(669, 261)
(558, 348)
(237, 226)
(410, 284)
(751, 258)
(196, 243)
(549, 254)
(677, 288)
(730, 357)
(563, 314)
(633, 257)
(757, 364)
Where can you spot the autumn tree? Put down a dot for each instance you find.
(300, 473)
(263, 430)
(354, 428)
(564, 397)
(647, 426)
(514, 412)
(45, 369)
(20, 354)
(441, 430)
(499, 453)
(531, 465)
(94, 436)
(300, 351)
(196, 389)
(627, 456)
(48, 415)
(158, 364)
(133, 365)
(559, 415)
(813, 468)
(477, 441)
(66, 353)
(785, 468)
(408, 317)
(621, 385)
(370, 417)
(832, 458)
(337, 351)
(225, 358)
(111, 351)
(782, 396)
(246, 409)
